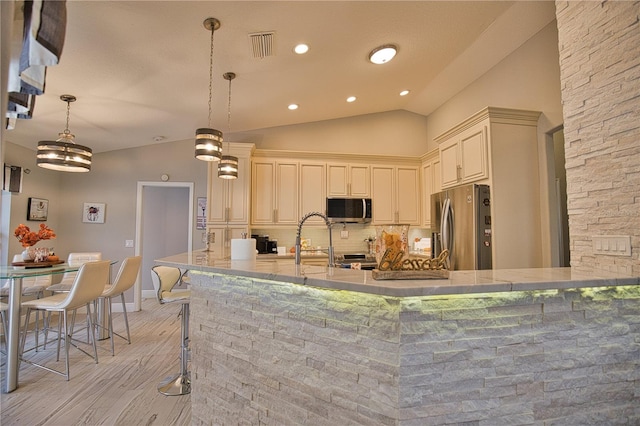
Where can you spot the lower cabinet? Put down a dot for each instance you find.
(223, 236)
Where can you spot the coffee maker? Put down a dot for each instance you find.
(264, 245)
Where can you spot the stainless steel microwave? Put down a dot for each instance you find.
(353, 210)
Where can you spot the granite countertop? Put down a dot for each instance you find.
(459, 282)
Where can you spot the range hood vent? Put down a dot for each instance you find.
(263, 44)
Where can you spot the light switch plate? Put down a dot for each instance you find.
(344, 234)
(128, 243)
(613, 245)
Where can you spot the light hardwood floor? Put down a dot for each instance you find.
(119, 390)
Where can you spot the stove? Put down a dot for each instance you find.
(366, 261)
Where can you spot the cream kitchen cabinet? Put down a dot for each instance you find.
(348, 180)
(274, 192)
(228, 199)
(463, 156)
(313, 190)
(499, 147)
(395, 194)
(223, 234)
(430, 184)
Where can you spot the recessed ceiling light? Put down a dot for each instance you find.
(351, 99)
(293, 106)
(383, 54)
(301, 49)
(404, 93)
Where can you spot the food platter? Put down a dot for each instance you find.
(32, 264)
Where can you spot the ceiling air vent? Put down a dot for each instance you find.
(262, 44)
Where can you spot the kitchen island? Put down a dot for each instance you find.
(276, 343)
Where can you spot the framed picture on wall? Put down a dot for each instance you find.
(201, 215)
(93, 212)
(37, 209)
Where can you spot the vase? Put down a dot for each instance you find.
(29, 254)
(394, 238)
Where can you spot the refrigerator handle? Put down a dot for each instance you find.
(444, 226)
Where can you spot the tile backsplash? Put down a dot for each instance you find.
(356, 241)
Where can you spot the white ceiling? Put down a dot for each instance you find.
(140, 69)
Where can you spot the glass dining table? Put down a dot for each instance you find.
(15, 275)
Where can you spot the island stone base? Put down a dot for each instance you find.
(276, 353)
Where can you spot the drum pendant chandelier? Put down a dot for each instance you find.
(228, 165)
(209, 140)
(64, 154)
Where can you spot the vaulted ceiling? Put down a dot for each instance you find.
(140, 69)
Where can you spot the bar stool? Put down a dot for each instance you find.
(164, 279)
(126, 278)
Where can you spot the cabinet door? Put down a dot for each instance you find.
(221, 247)
(312, 190)
(263, 192)
(473, 154)
(427, 188)
(449, 172)
(437, 181)
(337, 180)
(359, 181)
(344, 180)
(382, 190)
(430, 185)
(408, 195)
(217, 201)
(286, 190)
(238, 194)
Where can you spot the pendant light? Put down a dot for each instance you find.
(64, 154)
(228, 165)
(209, 140)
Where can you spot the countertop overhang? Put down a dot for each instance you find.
(459, 282)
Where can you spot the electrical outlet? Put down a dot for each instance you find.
(128, 243)
(613, 245)
(344, 234)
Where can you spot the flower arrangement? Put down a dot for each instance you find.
(28, 238)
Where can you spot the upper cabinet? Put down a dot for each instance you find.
(430, 183)
(228, 200)
(348, 180)
(395, 194)
(499, 147)
(313, 190)
(274, 195)
(463, 156)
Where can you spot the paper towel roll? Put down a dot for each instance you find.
(243, 249)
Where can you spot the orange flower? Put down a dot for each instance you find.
(29, 238)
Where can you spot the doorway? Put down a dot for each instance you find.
(559, 215)
(164, 223)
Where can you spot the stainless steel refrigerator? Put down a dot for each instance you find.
(461, 219)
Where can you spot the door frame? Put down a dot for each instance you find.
(137, 293)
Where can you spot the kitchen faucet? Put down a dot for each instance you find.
(298, 245)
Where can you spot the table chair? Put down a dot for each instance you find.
(87, 286)
(31, 286)
(3, 314)
(164, 279)
(126, 278)
(74, 259)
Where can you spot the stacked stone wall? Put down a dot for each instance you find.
(272, 353)
(599, 45)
